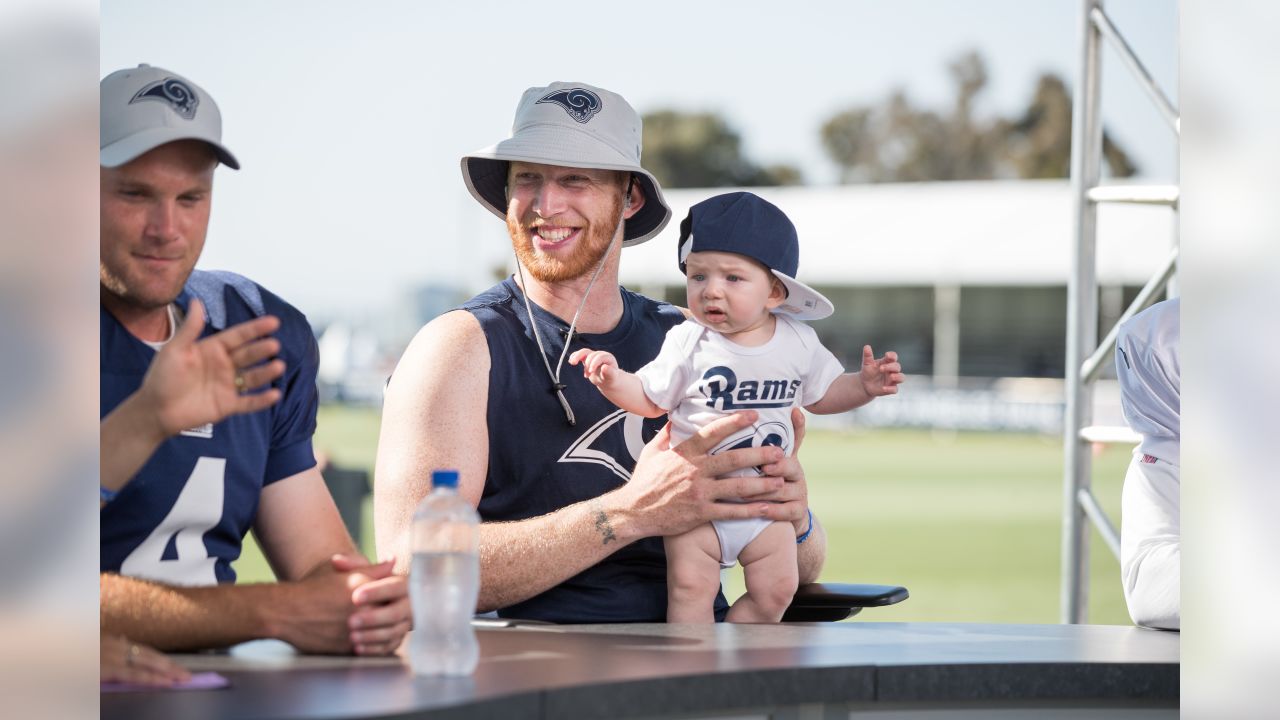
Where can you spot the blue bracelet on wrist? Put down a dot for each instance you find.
(805, 536)
(109, 495)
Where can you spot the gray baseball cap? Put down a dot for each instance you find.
(570, 125)
(145, 107)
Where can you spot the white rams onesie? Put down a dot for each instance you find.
(700, 376)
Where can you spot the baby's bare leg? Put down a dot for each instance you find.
(693, 575)
(769, 564)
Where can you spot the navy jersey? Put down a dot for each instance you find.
(538, 463)
(182, 518)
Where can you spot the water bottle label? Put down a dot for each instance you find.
(443, 588)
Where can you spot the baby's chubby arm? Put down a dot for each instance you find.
(623, 389)
(851, 390)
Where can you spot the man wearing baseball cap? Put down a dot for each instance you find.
(574, 513)
(208, 404)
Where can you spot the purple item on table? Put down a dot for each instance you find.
(198, 681)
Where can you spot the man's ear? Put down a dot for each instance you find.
(777, 292)
(637, 200)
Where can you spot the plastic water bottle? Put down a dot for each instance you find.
(444, 581)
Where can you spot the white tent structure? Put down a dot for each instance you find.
(1014, 232)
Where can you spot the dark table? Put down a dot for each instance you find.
(891, 670)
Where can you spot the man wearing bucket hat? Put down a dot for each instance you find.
(208, 404)
(573, 511)
(743, 349)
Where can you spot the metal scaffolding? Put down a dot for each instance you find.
(1085, 355)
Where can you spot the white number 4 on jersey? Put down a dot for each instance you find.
(196, 511)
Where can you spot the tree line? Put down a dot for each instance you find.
(892, 141)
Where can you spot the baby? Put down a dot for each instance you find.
(743, 349)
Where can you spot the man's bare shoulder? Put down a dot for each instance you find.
(456, 324)
(453, 336)
(451, 350)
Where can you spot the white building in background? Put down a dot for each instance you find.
(966, 280)
(358, 354)
(352, 367)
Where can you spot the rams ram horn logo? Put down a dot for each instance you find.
(580, 103)
(599, 444)
(177, 94)
(762, 435)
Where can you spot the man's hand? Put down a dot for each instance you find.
(123, 660)
(328, 601)
(673, 490)
(880, 377)
(192, 382)
(383, 614)
(792, 498)
(596, 365)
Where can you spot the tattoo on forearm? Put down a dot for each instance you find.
(603, 526)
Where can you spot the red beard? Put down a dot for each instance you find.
(587, 253)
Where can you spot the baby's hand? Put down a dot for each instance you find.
(880, 377)
(595, 365)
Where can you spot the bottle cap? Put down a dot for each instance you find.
(444, 479)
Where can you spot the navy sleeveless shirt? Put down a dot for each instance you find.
(538, 463)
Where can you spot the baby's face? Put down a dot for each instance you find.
(730, 293)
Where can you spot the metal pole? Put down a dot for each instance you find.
(1131, 61)
(1136, 194)
(1100, 520)
(946, 335)
(1145, 297)
(1082, 317)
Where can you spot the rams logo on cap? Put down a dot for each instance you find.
(173, 91)
(581, 104)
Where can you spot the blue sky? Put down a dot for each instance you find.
(349, 118)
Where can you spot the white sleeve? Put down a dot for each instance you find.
(823, 370)
(1147, 367)
(665, 378)
(1150, 549)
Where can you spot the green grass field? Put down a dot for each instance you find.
(970, 523)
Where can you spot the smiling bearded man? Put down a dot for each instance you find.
(572, 516)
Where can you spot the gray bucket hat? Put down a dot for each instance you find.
(145, 107)
(570, 125)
